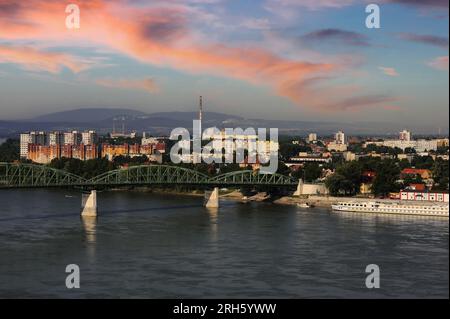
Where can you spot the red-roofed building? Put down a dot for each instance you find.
(416, 187)
(423, 173)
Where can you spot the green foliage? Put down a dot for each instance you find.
(410, 179)
(339, 185)
(442, 150)
(346, 180)
(410, 150)
(356, 148)
(388, 173)
(312, 171)
(288, 150)
(282, 169)
(369, 163)
(227, 168)
(9, 151)
(423, 162)
(86, 169)
(383, 149)
(136, 160)
(441, 175)
(404, 163)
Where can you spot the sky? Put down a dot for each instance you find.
(306, 60)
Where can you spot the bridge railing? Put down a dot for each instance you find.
(150, 174)
(30, 175)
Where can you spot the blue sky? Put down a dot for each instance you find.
(273, 59)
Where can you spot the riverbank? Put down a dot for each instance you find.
(236, 195)
(316, 201)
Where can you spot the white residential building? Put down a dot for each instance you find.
(312, 137)
(405, 136)
(149, 140)
(339, 138)
(39, 138)
(419, 145)
(25, 139)
(72, 138)
(89, 138)
(55, 138)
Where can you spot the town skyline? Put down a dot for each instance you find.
(298, 60)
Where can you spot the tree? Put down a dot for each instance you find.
(346, 180)
(311, 172)
(74, 166)
(339, 185)
(410, 150)
(385, 181)
(424, 162)
(441, 175)
(9, 151)
(404, 163)
(412, 179)
(288, 150)
(86, 169)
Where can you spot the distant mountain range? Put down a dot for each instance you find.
(103, 120)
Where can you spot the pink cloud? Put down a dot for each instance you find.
(33, 59)
(161, 36)
(388, 71)
(439, 63)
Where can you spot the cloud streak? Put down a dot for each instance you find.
(439, 63)
(35, 60)
(426, 39)
(336, 36)
(162, 36)
(388, 71)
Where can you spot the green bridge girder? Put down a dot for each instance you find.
(30, 175)
(150, 174)
(249, 177)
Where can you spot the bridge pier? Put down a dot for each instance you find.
(212, 198)
(89, 204)
(299, 190)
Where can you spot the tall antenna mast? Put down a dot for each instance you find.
(200, 115)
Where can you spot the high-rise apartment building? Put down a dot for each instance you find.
(339, 138)
(405, 136)
(25, 139)
(55, 138)
(312, 137)
(72, 138)
(89, 138)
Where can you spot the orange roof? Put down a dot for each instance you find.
(415, 171)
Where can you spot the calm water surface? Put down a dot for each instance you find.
(164, 246)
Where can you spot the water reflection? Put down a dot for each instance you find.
(152, 246)
(388, 217)
(90, 231)
(213, 214)
(89, 225)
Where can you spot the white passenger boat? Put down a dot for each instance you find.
(402, 208)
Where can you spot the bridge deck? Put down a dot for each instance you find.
(40, 176)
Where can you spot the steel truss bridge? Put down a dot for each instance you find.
(41, 176)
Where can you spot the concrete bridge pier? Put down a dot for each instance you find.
(299, 190)
(89, 204)
(212, 198)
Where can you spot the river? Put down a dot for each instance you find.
(145, 245)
